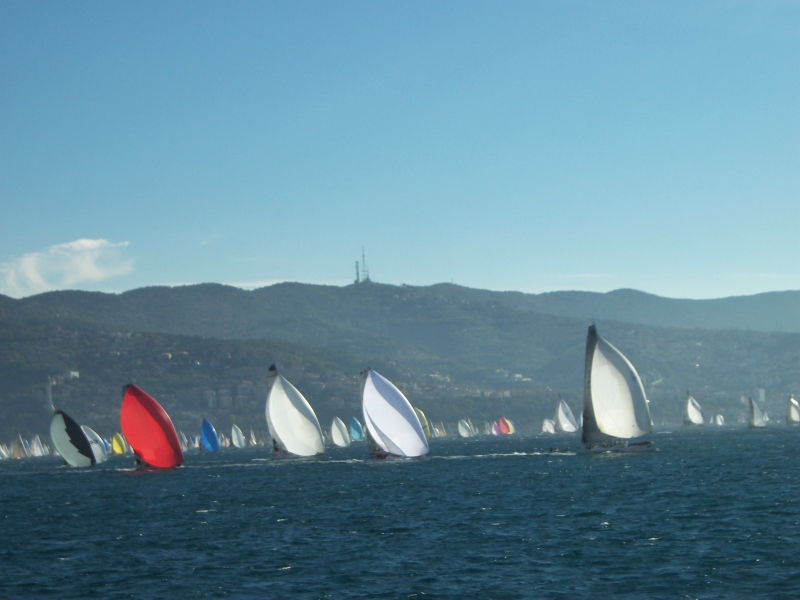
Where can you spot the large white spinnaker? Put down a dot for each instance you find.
(548, 426)
(564, 420)
(98, 447)
(339, 434)
(237, 437)
(464, 429)
(793, 414)
(614, 402)
(392, 425)
(71, 441)
(693, 414)
(292, 423)
(755, 417)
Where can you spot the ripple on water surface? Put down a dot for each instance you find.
(711, 514)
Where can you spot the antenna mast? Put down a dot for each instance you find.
(364, 264)
(358, 277)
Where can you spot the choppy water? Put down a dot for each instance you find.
(711, 514)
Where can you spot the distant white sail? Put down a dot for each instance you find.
(392, 425)
(756, 419)
(793, 415)
(464, 429)
(548, 426)
(564, 420)
(37, 449)
(693, 414)
(71, 441)
(292, 423)
(719, 420)
(98, 447)
(339, 434)
(237, 437)
(614, 402)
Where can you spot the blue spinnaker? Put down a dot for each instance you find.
(209, 437)
(356, 431)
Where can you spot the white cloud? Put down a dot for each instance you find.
(63, 266)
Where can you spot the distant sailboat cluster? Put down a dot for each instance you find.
(615, 418)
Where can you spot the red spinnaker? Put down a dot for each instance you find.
(149, 430)
(504, 428)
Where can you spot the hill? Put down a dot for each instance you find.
(456, 351)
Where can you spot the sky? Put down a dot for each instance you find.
(531, 146)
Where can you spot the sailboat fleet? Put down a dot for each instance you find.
(615, 418)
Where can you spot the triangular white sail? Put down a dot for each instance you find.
(548, 426)
(71, 441)
(793, 414)
(564, 420)
(756, 419)
(693, 414)
(37, 449)
(614, 402)
(98, 447)
(339, 434)
(719, 420)
(464, 429)
(390, 420)
(292, 423)
(237, 437)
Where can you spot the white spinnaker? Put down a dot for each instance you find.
(548, 426)
(793, 415)
(390, 418)
(756, 418)
(67, 446)
(237, 437)
(339, 434)
(719, 420)
(292, 422)
(98, 447)
(565, 420)
(463, 429)
(694, 414)
(616, 397)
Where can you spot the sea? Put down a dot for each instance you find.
(711, 513)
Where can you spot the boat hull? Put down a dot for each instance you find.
(618, 446)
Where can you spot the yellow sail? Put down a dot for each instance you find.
(423, 420)
(118, 444)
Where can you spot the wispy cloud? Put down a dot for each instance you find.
(63, 266)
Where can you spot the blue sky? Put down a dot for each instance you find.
(529, 146)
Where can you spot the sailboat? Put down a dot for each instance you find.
(423, 420)
(71, 441)
(614, 403)
(208, 437)
(149, 430)
(118, 444)
(506, 426)
(564, 421)
(356, 431)
(548, 426)
(495, 428)
(339, 435)
(719, 420)
(393, 428)
(237, 437)
(487, 429)
(96, 442)
(464, 430)
(693, 414)
(292, 423)
(793, 414)
(472, 427)
(755, 418)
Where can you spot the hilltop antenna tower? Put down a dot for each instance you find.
(364, 268)
(358, 277)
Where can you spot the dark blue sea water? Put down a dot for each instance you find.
(711, 514)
